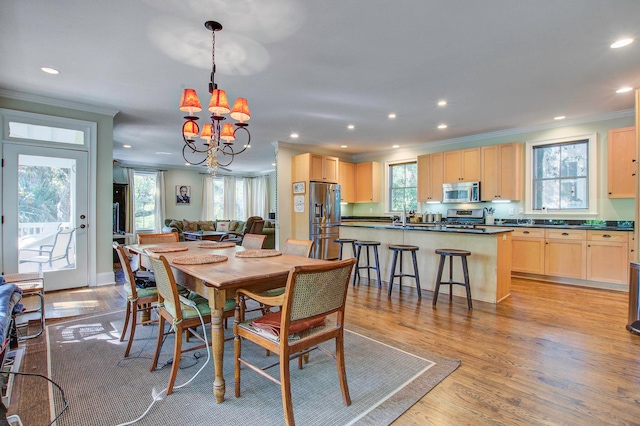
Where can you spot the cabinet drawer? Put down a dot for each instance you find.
(612, 236)
(565, 234)
(528, 232)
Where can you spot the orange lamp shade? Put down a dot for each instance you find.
(206, 132)
(219, 104)
(190, 102)
(190, 129)
(227, 133)
(240, 110)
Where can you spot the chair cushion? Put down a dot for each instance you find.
(146, 292)
(203, 306)
(189, 225)
(270, 323)
(206, 225)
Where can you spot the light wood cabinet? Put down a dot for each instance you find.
(368, 182)
(347, 175)
(315, 167)
(501, 172)
(622, 163)
(430, 177)
(462, 165)
(565, 253)
(607, 256)
(527, 250)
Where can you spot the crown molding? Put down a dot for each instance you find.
(20, 96)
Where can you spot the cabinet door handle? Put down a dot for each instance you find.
(525, 232)
(565, 234)
(606, 236)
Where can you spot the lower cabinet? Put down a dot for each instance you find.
(593, 255)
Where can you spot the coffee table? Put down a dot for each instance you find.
(203, 235)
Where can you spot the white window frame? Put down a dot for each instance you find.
(387, 177)
(155, 198)
(592, 144)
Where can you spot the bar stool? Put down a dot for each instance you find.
(400, 248)
(451, 253)
(342, 241)
(368, 267)
(31, 284)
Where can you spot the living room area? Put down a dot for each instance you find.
(191, 203)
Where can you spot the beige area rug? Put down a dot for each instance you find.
(103, 388)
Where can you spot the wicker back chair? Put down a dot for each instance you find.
(253, 241)
(169, 237)
(297, 247)
(312, 293)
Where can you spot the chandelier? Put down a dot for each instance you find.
(217, 150)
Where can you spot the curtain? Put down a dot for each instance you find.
(131, 203)
(160, 202)
(257, 196)
(207, 212)
(229, 183)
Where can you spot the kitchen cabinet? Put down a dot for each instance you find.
(347, 180)
(462, 165)
(621, 163)
(430, 177)
(527, 250)
(368, 182)
(565, 253)
(608, 256)
(501, 172)
(315, 167)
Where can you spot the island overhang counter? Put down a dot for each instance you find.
(489, 263)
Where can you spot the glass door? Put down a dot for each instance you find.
(45, 207)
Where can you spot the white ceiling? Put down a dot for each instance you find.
(314, 67)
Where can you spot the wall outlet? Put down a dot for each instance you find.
(370, 209)
(521, 211)
(512, 211)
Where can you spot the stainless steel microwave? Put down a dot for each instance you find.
(461, 192)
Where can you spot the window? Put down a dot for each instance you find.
(145, 201)
(561, 175)
(403, 186)
(219, 197)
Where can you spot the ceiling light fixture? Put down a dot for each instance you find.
(442, 103)
(392, 115)
(217, 153)
(395, 146)
(560, 117)
(624, 89)
(442, 126)
(351, 127)
(50, 70)
(621, 43)
(294, 135)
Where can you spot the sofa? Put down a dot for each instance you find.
(179, 226)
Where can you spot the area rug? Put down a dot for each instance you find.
(103, 388)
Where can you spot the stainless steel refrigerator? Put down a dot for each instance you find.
(324, 223)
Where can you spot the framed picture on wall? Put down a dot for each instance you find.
(183, 194)
(298, 187)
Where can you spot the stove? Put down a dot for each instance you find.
(464, 218)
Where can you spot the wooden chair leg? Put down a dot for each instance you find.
(285, 387)
(237, 353)
(134, 320)
(126, 321)
(177, 350)
(156, 355)
(342, 372)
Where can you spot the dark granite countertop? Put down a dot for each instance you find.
(480, 230)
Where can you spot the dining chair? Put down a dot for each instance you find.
(297, 247)
(138, 299)
(180, 312)
(48, 253)
(312, 293)
(169, 237)
(253, 241)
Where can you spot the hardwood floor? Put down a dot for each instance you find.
(547, 355)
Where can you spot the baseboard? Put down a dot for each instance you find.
(105, 278)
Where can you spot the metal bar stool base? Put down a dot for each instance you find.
(451, 253)
(368, 267)
(399, 249)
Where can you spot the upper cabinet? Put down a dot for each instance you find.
(430, 177)
(462, 165)
(314, 167)
(368, 182)
(622, 163)
(347, 182)
(501, 172)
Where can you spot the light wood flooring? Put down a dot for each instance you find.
(548, 355)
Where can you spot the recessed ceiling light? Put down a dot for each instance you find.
(187, 164)
(273, 164)
(343, 146)
(560, 117)
(442, 103)
(126, 146)
(624, 89)
(622, 43)
(351, 127)
(294, 135)
(392, 115)
(50, 70)
(395, 146)
(442, 126)
(163, 153)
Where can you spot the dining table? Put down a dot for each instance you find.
(219, 281)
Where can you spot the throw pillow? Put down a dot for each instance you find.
(189, 225)
(206, 225)
(267, 224)
(222, 226)
(176, 224)
(233, 225)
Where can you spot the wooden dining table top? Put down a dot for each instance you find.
(233, 272)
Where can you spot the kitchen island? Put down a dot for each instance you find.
(489, 263)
